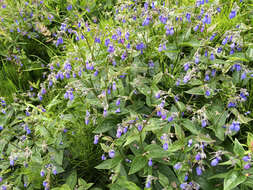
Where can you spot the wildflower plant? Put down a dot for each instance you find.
(161, 93)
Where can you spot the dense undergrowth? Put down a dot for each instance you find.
(126, 95)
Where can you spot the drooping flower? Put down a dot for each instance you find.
(177, 166)
(232, 14)
(111, 153)
(215, 162)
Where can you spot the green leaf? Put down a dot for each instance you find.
(154, 124)
(110, 163)
(179, 132)
(249, 140)
(83, 184)
(190, 126)
(72, 179)
(157, 78)
(138, 163)
(177, 145)
(107, 164)
(180, 106)
(203, 138)
(196, 91)
(233, 180)
(155, 151)
(105, 125)
(63, 187)
(238, 149)
(124, 183)
(240, 117)
(163, 179)
(218, 176)
(171, 54)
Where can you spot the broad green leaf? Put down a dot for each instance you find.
(177, 145)
(190, 126)
(155, 151)
(196, 91)
(203, 138)
(163, 179)
(240, 117)
(171, 54)
(105, 125)
(138, 163)
(124, 183)
(219, 176)
(63, 187)
(233, 180)
(107, 164)
(83, 185)
(157, 78)
(180, 106)
(238, 149)
(250, 141)
(110, 163)
(72, 179)
(179, 132)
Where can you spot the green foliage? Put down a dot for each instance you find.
(140, 86)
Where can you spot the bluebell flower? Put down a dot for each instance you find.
(59, 41)
(232, 14)
(110, 49)
(197, 59)
(199, 171)
(103, 157)
(198, 157)
(42, 173)
(183, 186)
(164, 116)
(119, 132)
(150, 163)
(219, 49)
(148, 184)
(235, 126)
(55, 171)
(213, 36)
(207, 78)
(186, 66)
(97, 40)
(140, 46)
(224, 41)
(111, 153)
(139, 127)
(163, 19)
(214, 162)
(196, 27)
(243, 76)
(146, 21)
(206, 53)
(231, 104)
(123, 56)
(170, 119)
(127, 35)
(189, 142)
(246, 159)
(165, 146)
(118, 102)
(12, 162)
(177, 166)
(188, 17)
(45, 183)
(247, 166)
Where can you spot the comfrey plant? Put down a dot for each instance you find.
(154, 92)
